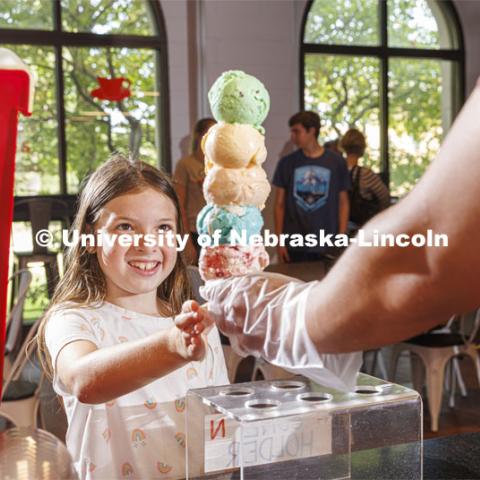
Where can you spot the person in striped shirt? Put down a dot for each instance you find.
(368, 190)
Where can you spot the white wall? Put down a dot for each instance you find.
(175, 15)
(469, 13)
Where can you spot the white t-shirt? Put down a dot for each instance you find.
(140, 434)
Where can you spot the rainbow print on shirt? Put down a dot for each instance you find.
(138, 437)
(163, 467)
(127, 470)
(107, 434)
(180, 438)
(180, 405)
(150, 403)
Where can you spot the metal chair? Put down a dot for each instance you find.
(435, 350)
(377, 363)
(40, 215)
(20, 401)
(22, 278)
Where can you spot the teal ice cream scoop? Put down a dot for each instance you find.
(246, 219)
(237, 97)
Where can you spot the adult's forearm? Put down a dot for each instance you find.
(379, 295)
(110, 372)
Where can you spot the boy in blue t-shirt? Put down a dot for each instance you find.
(311, 191)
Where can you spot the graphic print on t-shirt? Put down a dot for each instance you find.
(311, 185)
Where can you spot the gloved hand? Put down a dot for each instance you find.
(264, 315)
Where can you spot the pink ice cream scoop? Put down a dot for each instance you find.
(227, 260)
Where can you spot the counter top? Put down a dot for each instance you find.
(454, 457)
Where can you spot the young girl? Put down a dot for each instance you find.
(118, 360)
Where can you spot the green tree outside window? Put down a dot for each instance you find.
(348, 44)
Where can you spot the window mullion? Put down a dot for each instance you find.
(62, 142)
(383, 18)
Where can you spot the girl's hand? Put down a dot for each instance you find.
(190, 324)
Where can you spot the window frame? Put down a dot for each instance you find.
(57, 38)
(383, 53)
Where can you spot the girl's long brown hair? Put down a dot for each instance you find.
(83, 282)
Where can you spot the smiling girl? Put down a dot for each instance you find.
(109, 338)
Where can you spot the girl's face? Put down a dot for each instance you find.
(137, 270)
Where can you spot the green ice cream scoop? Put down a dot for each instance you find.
(237, 97)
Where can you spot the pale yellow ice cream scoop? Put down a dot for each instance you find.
(233, 145)
(236, 186)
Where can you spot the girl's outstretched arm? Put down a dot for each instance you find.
(99, 375)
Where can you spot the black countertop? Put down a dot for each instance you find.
(454, 457)
(457, 456)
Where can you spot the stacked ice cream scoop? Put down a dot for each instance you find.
(236, 186)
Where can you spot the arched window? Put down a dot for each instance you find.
(68, 44)
(392, 68)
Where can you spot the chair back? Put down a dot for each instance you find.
(40, 214)
(474, 327)
(22, 278)
(24, 355)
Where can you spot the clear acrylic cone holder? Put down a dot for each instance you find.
(297, 429)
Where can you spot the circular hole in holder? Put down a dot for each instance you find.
(314, 397)
(237, 392)
(367, 390)
(287, 385)
(263, 404)
(386, 386)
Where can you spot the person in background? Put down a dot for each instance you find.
(188, 179)
(311, 191)
(334, 146)
(368, 195)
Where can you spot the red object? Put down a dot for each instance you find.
(14, 98)
(112, 89)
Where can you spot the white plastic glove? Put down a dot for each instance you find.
(264, 315)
